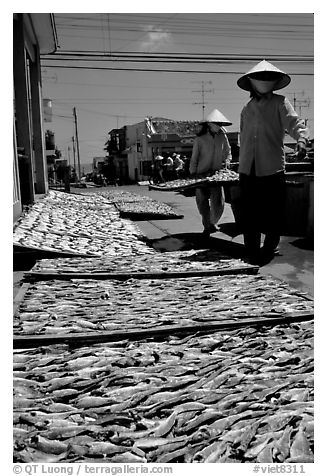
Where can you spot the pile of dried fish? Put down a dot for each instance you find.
(224, 175)
(116, 196)
(221, 176)
(78, 224)
(138, 206)
(78, 305)
(239, 397)
(174, 261)
(150, 209)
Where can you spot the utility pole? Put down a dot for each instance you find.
(68, 150)
(77, 144)
(203, 91)
(74, 155)
(117, 119)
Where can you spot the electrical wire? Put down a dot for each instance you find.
(222, 59)
(96, 68)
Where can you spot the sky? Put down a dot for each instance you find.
(107, 99)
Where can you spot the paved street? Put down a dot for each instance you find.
(294, 264)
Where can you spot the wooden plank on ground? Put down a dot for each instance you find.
(34, 276)
(148, 216)
(45, 253)
(88, 338)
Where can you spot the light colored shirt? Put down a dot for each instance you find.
(178, 164)
(209, 153)
(262, 130)
(169, 163)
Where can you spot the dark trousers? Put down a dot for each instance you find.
(262, 210)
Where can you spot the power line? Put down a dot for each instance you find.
(171, 58)
(183, 54)
(103, 68)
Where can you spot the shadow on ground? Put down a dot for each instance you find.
(230, 229)
(303, 244)
(196, 241)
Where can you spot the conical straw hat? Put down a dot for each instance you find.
(244, 83)
(217, 116)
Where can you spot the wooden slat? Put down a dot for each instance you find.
(34, 276)
(78, 339)
(148, 216)
(18, 248)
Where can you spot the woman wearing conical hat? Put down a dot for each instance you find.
(211, 150)
(264, 120)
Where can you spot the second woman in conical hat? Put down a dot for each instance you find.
(211, 151)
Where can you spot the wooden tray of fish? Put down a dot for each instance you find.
(169, 264)
(69, 225)
(100, 306)
(245, 396)
(222, 177)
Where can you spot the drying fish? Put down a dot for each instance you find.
(257, 448)
(174, 456)
(175, 261)
(165, 427)
(282, 446)
(205, 417)
(58, 383)
(183, 294)
(127, 457)
(300, 447)
(300, 459)
(224, 175)
(66, 393)
(48, 446)
(31, 455)
(63, 432)
(104, 448)
(51, 225)
(144, 397)
(265, 456)
(218, 448)
(60, 407)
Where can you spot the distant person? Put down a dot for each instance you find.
(178, 167)
(158, 169)
(168, 165)
(211, 150)
(186, 161)
(264, 120)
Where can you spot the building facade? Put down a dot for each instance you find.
(33, 34)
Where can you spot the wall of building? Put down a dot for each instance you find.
(32, 34)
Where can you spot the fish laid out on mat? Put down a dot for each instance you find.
(241, 396)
